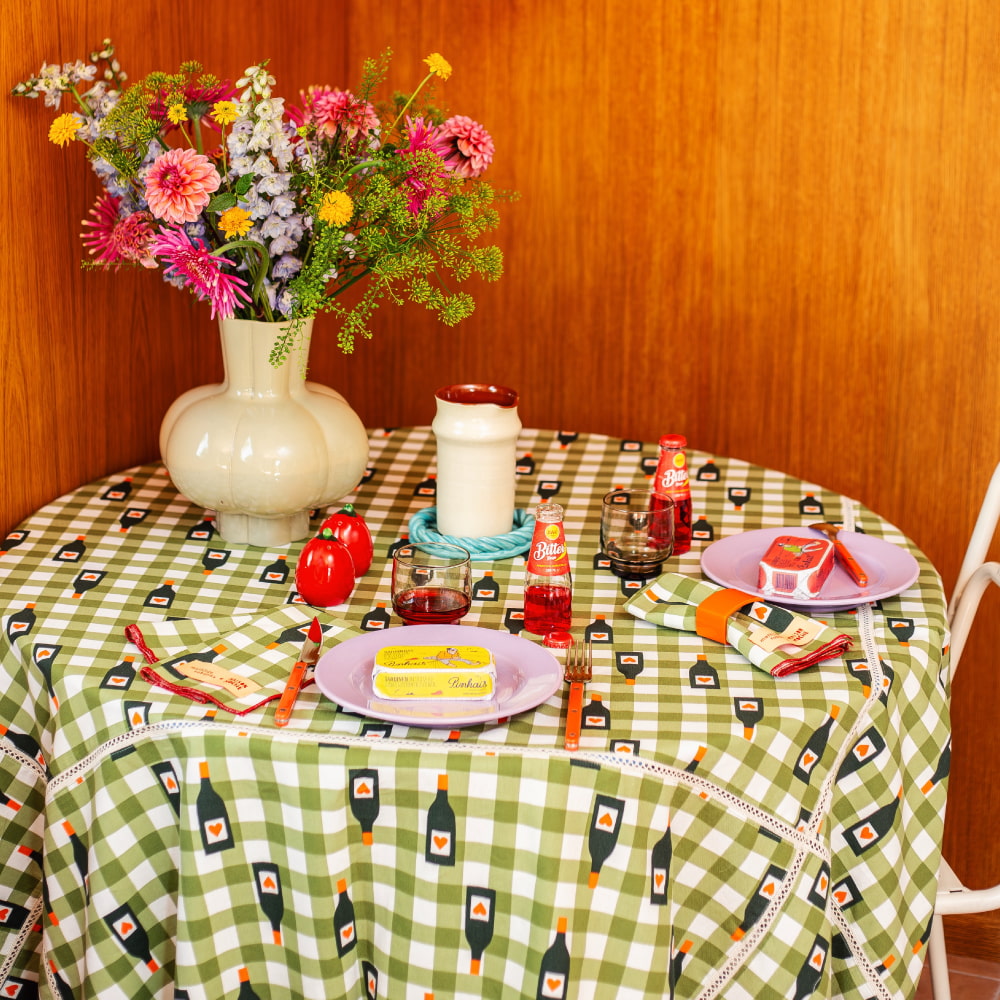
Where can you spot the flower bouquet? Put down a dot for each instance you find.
(271, 212)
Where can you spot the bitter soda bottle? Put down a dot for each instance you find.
(548, 583)
(673, 480)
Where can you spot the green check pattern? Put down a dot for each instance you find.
(720, 833)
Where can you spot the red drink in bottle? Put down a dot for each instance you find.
(548, 609)
(672, 479)
(548, 584)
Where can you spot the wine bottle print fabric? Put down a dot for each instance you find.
(720, 831)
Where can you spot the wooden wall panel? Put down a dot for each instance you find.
(767, 224)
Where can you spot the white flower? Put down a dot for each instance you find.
(286, 266)
(283, 205)
(274, 184)
(273, 226)
(262, 166)
(80, 71)
(241, 165)
(270, 109)
(282, 245)
(258, 206)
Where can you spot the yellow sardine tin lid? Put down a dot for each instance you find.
(413, 658)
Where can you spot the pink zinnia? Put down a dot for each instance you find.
(114, 240)
(424, 179)
(179, 185)
(202, 271)
(332, 109)
(470, 146)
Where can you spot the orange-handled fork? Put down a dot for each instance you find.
(579, 668)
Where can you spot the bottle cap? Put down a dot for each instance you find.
(673, 441)
(558, 640)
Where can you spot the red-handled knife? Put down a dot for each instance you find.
(308, 656)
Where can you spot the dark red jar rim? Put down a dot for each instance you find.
(472, 393)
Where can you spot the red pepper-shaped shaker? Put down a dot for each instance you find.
(324, 575)
(349, 526)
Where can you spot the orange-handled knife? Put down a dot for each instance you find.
(851, 564)
(308, 655)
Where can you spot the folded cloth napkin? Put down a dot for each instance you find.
(775, 639)
(237, 663)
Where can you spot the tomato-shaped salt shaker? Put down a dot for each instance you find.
(349, 526)
(324, 575)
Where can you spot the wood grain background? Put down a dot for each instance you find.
(768, 224)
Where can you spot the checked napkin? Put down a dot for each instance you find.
(772, 638)
(238, 664)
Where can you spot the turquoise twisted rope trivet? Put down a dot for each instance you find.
(423, 528)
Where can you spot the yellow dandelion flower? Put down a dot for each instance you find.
(225, 112)
(336, 208)
(64, 129)
(177, 113)
(439, 65)
(235, 222)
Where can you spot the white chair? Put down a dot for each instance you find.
(979, 543)
(975, 575)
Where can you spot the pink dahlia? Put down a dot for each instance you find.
(179, 185)
(202, 271)
(470, 146)
(426, 176)
(331, 109)
(116, 240)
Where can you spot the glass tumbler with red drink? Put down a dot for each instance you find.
(431, 583)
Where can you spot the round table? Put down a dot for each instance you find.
(684, 850)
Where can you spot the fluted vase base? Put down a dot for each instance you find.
(249, 529)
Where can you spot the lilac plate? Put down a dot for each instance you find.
(733, 562)
(527, 675)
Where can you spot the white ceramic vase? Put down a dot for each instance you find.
(265, 446)
(476, 427)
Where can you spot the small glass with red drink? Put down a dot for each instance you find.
(431, 583)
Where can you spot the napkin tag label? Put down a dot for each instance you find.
(209, 673)
(796, 631)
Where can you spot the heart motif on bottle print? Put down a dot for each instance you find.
(215, 829)
(440, 843)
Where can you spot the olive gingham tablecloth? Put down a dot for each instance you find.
(720, 833)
